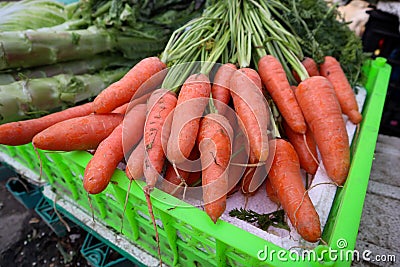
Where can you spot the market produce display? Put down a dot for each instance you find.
(31, 14)
(97, 39)
(235, 91)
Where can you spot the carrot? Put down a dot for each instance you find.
(307, 152)
(81, 133)
(22, 132)
(238, 160)
(123, 90)
(311, 67)
(256, 172)
(134, 165)
(156, 132)
(190, 174)
(121, 109)
(193, 178)
(253, 76)
(321, 109)
(246, 180)
(214, 139)
(332, 70)
(253, 178)
(102, 165)
(110, 151)
(251, 109)
(175, 183)
(172, 183)
(231, 116)
(128, 106)
(271, 192)
(192, 100)
(132, 127)
(274, 79)
(220, 88)
(285, 178)
(193, 164)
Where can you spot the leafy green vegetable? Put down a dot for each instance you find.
(34, 97)
(136, 29)
(321, 31)
(31, 14)
(75, 67)
(264, 221)
(155, 18)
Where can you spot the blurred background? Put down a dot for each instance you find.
(377, 23)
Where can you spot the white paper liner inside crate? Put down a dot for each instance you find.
(321, 195)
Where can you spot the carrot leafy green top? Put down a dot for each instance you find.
(242, 31)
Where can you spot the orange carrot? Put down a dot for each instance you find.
(134, 165)
(121, 109)
(251, 109)
(253, 178)
(81, 133)
(307, 152)
(172, 183)
(231, 116)
(271, 192)
(311, 67)
(246, 180)
(332, 70)
(220, 88)
(253, 76)
(123, 90)
(285, 178)
(157, 129)
(132, 127)
(128, 106)
(192, 100)
(193, 166)
(135, 159)
(274, 79)
(156, 132)
(110, 151)
(214, 139)
(321, 109)
(189, 175)
(22, 132)
(102, 165)
(193, 178)
(238, 160)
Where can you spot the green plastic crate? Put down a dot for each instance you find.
(187, 235)
(99, 254)
(6, 171)
(27, 194)
(45, 210)
(29, 158)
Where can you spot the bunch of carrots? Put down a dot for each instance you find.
(211, 125)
